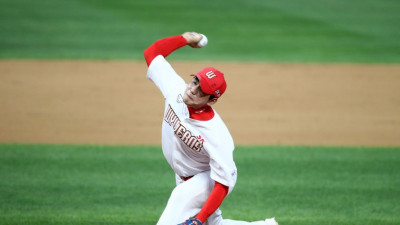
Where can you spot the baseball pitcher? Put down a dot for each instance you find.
(195, 141)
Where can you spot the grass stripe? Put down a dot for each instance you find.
(78, 184)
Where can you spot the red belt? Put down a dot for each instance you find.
(185, 178)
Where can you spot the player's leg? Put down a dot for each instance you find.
(187, 199)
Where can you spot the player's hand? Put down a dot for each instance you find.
(192, 38)
(191, 221)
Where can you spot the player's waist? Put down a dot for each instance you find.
(185, 178)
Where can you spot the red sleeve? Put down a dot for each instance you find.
(214, 200)
(164, 47)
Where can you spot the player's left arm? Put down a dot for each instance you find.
(214, 200)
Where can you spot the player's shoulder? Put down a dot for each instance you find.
(218, 122)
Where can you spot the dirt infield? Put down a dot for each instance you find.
(112, 102)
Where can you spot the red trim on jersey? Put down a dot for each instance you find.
(164, 47)
(203, 114)
(214, 200)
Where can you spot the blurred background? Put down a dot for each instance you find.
(253, 30)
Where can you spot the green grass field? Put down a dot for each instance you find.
(284, 31)
(70, 184)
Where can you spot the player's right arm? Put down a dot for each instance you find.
(167, 45)
(160, 71)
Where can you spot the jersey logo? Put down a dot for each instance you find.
(210, 74)
(179, 99)
(201, 139)
(181, 132)
(233, 174)
(218, 94)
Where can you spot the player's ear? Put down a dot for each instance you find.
(212, 101)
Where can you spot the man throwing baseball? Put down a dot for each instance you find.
(195, 141)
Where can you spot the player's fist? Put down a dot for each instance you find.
(192, 221)
(193, 39)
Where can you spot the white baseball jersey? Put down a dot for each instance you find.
(191, 146)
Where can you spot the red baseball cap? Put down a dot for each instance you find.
(212, 81)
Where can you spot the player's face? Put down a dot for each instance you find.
(194, 96)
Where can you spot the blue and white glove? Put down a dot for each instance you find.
(191, 221)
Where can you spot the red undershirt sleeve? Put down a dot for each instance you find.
(214, 200)
(164, 47)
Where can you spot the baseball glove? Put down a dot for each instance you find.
(191, 221)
